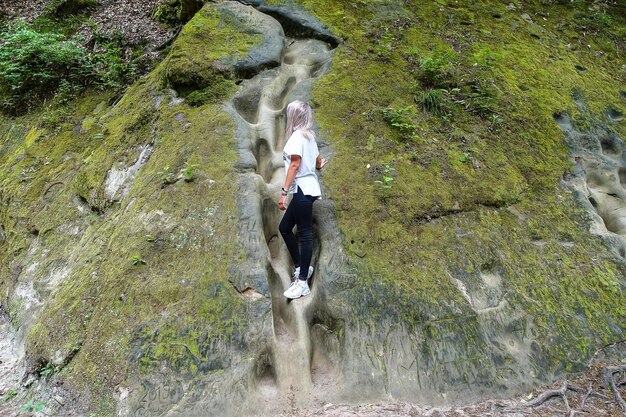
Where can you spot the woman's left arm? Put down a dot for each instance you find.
(294, 166)
(320, 162)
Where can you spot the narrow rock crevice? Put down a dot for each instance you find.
(296, 359)
(120, 178)
(83, 205)
(422, 219)
(298, 25)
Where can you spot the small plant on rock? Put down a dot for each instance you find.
(466, 157)
(32, 407)
(384, 46)
(10, 395)
(188, 172)
(167, 175)
(481, 99)
(400, 119)
(137, 260)
(436, 67)
(595, 20)
(47, 370)
(436, 100)
(385, 184)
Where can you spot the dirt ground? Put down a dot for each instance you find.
(583, 396)
(129, 18)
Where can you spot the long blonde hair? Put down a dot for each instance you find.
(299, 117)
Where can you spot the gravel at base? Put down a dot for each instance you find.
(28, 10)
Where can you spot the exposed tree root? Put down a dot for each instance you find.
(561, 392)
(586, 396)
(608, 380)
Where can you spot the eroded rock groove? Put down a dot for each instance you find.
(599, 177)
(292, 361)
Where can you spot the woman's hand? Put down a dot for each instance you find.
(320, 162)
(281, 203)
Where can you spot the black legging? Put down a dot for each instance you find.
(300, 213)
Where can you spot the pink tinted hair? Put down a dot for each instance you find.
(299, 117)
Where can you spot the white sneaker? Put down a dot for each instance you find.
(298, 288)
(296, 274)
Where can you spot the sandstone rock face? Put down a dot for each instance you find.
(193, 63)
(142, 268)
(9, 357)
(599, 176)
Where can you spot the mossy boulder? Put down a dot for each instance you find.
(90, 317)
(221, 43)
(475, 240)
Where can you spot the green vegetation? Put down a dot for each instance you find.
(170, 309)
(386, 183)
(447, 79)
(32, 407)
(188, 171)
(137, 260)
(400, 119)
(36, 65)
(168, 13)
(217, 91)
(467, 156)
(30, 62)
(483, 141)
(437, 67)
(47, 370)
(453, 105)
(10, 395)
(190, 67)
(168, 176)
(436, 100)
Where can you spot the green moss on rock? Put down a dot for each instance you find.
(192, 65)
(446, 212)
(109, 321)
(168, 12)
(475, 196)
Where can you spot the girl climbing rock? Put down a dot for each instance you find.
(301, 158)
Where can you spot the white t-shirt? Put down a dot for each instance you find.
(306, 178)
